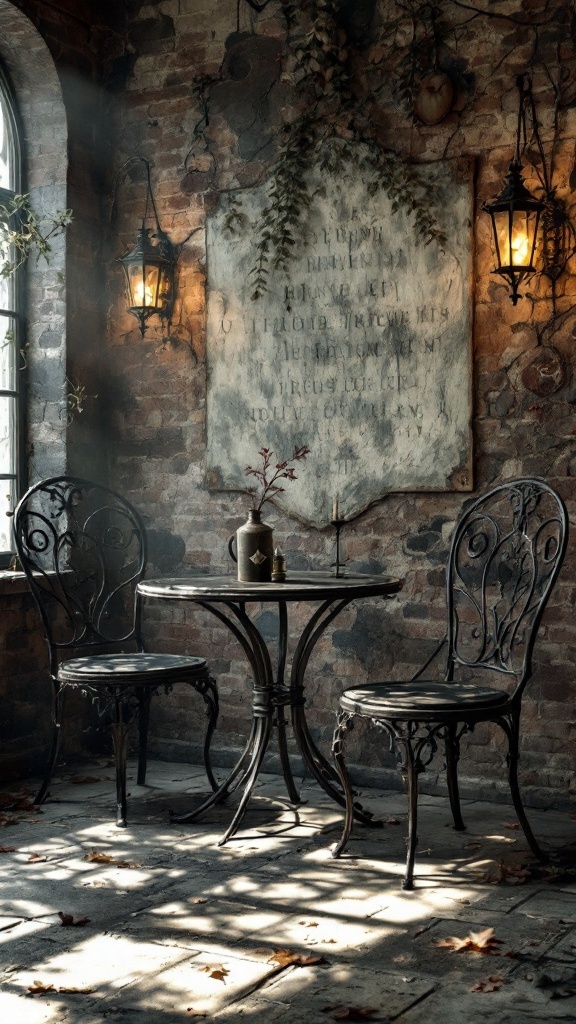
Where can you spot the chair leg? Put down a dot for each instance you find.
(144, 699)
(411, 771)
(452, 751)
(58, 710)
(119, 737)
(342, 725)
(209, 692)
(512, 759)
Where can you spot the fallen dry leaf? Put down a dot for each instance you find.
(7, 849)
(286, 957)
(38, 988)
(200, 899)
(37, 858)
(216, 971)
(309, 924)
(392, 821)
(350, 1012)
(196, 1013)
(85, 780)
(513, 873)
(17, 802)
(475, 942)
(68, 920)
(490, 984)
(96, 857)
(512, 825)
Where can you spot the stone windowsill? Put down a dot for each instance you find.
(13, 583)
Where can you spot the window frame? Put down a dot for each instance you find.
(18, 478)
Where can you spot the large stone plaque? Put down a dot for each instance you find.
(363, 353)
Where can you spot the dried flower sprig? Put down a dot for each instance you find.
(268, 487)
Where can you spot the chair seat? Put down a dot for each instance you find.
(140, 668)
(421, 699)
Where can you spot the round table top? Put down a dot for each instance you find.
(299, 586)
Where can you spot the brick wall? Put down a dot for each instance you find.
(157, 402)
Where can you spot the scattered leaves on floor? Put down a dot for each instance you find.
(350, 1012)
(85, 780)
(40, 988)
(216, 971)
(97, 857)
(69, 922)
(309, 924)
(490, 984)
(475, 942)
(287, 957)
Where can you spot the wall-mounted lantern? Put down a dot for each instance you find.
(517, 215)
(149, 267)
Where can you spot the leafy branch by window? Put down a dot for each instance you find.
(23, 233)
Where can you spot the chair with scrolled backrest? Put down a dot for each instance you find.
(505, 555)
(83, 549)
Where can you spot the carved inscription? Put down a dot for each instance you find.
(363, 353)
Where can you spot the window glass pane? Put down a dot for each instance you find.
(8, 354)
(7, 292)
(7, 168)
(7, 435)
(7, 504)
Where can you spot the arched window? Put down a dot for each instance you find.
(33, 162)
(11, 319)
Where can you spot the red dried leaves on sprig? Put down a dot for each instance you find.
(269, 473)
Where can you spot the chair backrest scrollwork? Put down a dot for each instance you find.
(83, 548)
(505, 556)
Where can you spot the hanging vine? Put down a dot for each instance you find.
(338, 83)
(334, 110)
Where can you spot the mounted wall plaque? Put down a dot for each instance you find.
(363, 353)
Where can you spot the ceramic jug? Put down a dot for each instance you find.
(254, 549)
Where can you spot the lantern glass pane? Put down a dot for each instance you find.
(522, 237)
(515, 231)
(143, 283)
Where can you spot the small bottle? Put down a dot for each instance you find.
(278, 567)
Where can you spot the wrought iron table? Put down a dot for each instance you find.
(226, 598)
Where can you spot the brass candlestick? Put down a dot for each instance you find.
(338, 565)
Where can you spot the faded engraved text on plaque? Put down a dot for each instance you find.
(363, 352)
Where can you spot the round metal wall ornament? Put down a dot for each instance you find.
(546, 373)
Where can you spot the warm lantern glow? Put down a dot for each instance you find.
(149, 266)
(520, 246)
(149, 270)
(515, 215)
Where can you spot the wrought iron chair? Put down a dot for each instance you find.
(505, 555)
(83, 549)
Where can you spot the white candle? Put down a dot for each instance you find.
(335, 507)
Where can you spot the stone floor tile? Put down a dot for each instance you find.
(307, 993)
(275, 885)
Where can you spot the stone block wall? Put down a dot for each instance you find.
(158, 384)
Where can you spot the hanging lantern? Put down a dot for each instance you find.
(149, 268)
(515, 214)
